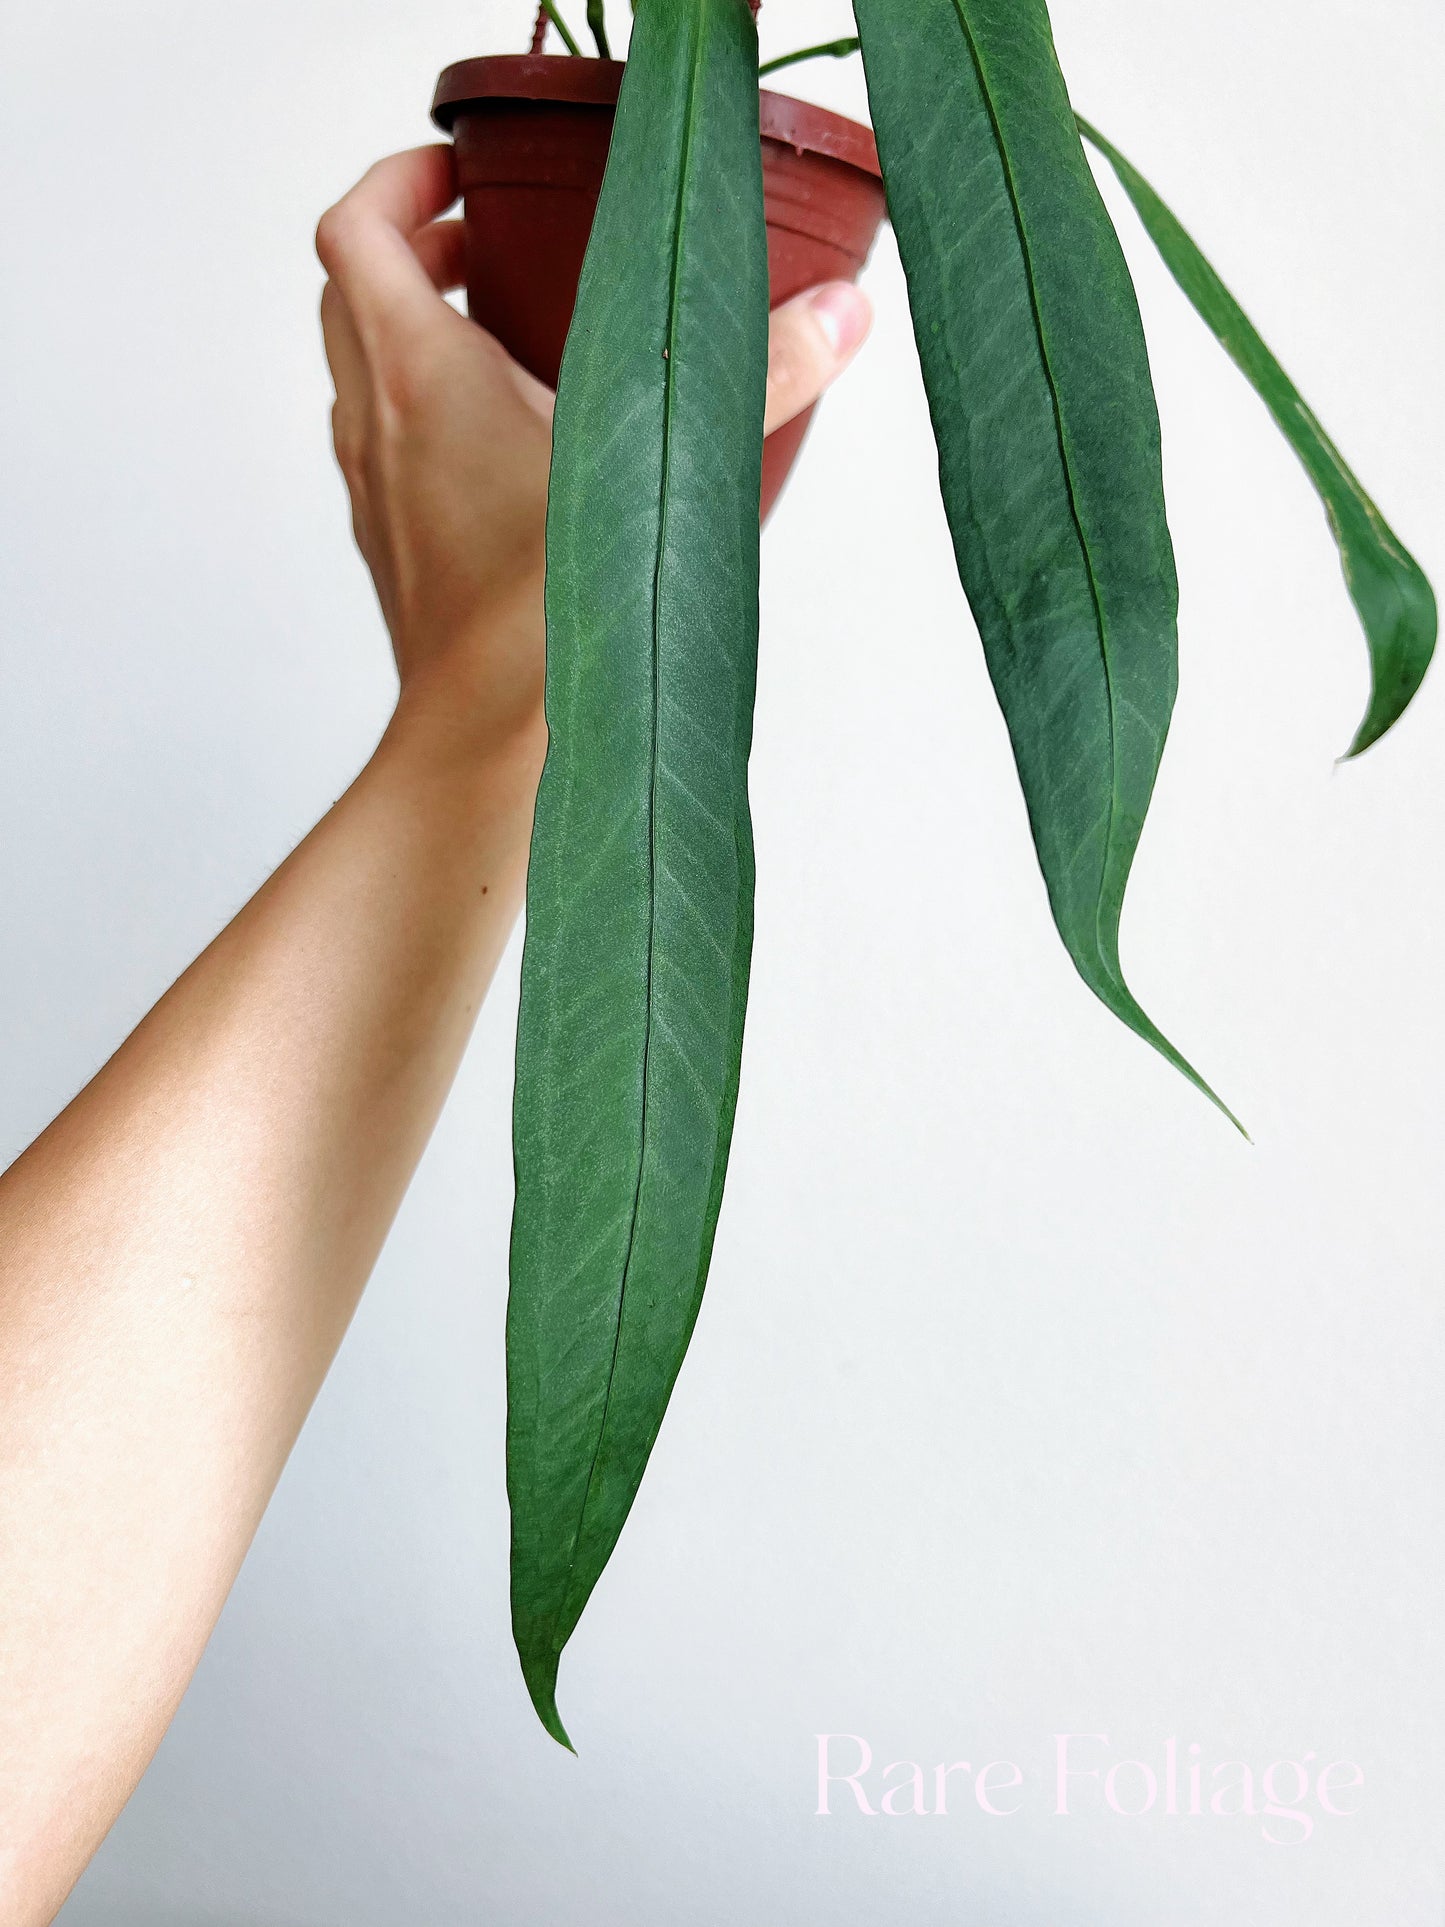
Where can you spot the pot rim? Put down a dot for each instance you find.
(595, 83)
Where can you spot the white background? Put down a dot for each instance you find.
(1026, 1397)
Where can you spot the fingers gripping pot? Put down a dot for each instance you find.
(531, 133)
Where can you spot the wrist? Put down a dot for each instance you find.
(472, 676)
(439, 731)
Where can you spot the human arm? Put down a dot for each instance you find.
(181, 1250)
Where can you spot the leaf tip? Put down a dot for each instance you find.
(1116, 996)
(1401, 651)
(1218, 1102)
(1376, 722)
(1367, 735)
(541, 1677)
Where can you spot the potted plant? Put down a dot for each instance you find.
(658, 276)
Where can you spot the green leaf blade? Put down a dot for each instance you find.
(639, 901)
(1048, 436)
(1392, 597)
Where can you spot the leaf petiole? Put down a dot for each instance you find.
(550, 9)
(834, 49)
(597, 26)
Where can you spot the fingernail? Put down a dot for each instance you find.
(843, 313)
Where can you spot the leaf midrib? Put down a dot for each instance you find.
(1100, 624)
(664, 505)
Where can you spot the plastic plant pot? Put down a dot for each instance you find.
(531, 133)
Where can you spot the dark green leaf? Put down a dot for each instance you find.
(1048, 435)
(1386, 584)
(639, 894)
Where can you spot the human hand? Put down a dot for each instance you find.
(444, 441)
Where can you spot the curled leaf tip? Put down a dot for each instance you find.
(1410, 625)
(541, 1678)
(1392, 597)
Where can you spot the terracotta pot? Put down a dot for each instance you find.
(531, 134)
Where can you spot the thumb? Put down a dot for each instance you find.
(811, 340)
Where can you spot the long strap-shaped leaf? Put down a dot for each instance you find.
(639, 893)
(1395, 602)
(1048, 436)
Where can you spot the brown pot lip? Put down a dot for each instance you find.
(595, 83)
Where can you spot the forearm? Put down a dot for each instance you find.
(183, 1249)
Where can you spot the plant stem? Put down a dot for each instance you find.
(836, 49)
(550, 9)
(598, 26)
